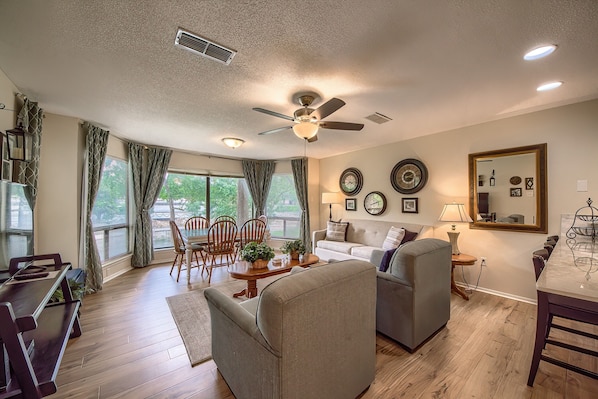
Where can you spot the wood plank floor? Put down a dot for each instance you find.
(131, 348)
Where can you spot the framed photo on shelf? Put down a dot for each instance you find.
(516, 192)
(350, 204)
(409, 205)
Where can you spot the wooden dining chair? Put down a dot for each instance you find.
(225, 217)
(179, 250)
(252, 230)
(221, 243)
(197, 223)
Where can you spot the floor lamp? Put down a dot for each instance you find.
(454, 213)
(330, 198)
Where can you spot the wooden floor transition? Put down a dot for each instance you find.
(131, 348)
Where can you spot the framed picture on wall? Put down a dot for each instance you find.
(410, 205)
(350, 204)
(516, 192)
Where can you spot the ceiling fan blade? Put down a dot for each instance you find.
(328, 108)
(341, 125)
(311, 140)
(268, 112)
(280, 129)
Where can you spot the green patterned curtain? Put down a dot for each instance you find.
(258, 175)
(300, 177)
(149, 167)
(30, 118)
(95, 153)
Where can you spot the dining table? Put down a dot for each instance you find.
(569, 279)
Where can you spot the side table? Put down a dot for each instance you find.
(460, 260)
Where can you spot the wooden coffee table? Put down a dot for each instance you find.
(243, 271)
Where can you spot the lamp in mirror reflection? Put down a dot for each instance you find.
(20, 144)
(454, 213)
(232, 142)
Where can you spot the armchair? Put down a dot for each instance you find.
(287, 344)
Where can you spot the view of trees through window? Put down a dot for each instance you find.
(110, 216)
(282, 207)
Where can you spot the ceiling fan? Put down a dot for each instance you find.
(308, 120)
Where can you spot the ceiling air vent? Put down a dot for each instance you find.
(203, 47)
(378, 118)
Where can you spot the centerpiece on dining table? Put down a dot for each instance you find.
(258, 254)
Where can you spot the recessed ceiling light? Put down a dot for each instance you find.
(539, 52)
(549, 86)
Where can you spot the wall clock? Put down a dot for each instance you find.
(409, 176)
(351, 181)
(375, 203)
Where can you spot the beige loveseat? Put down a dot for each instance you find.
(310, 334)
(363, 240)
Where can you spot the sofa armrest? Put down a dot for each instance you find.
(390, 278)
(317, 236)
(376, 257)
(231, 309)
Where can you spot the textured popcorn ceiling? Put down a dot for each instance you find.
(430, 65)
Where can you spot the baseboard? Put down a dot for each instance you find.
(498, 293)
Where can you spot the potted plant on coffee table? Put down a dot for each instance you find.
(294, 248)
(258, 254)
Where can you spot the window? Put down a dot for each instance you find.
(110, 216)
(282, 208)
(186, 195)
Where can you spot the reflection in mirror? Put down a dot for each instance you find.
(508, 189)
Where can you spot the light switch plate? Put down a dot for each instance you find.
(582, 186)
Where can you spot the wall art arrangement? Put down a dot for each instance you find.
(350, 204)
(410, 205)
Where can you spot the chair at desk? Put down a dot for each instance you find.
(252, 230)
(179, 250)
(549, 306)
(221, 242)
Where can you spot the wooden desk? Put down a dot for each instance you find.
(460, 260)
(242, 270)
(569, 279)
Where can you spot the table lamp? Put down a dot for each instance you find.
(330, 198)
(454, 213)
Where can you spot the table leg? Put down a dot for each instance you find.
(457, 290)
(250, 291)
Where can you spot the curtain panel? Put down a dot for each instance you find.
(148, 167)
(95, 154)
(300, 177)
(258, 176)
(30, 117)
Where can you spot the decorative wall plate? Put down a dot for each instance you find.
(409, 176)
(351, 181)
(375, 203)
(515, 180)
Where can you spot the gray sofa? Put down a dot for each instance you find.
(308, 335)
(414, 294)
(363, 241)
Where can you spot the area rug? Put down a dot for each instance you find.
(192, 316)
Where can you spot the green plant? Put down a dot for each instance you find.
(254, 251)
(293, 246)
(77, 291)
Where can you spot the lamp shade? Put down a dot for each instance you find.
(454, 213)
(305, 130)
(330, 198)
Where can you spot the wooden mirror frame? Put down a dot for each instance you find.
(541, 225)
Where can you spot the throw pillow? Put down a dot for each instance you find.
(336, 231)
(409, 236)
(385, 262)
(393, 238)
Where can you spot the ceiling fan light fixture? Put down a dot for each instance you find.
(232, 142)
(305, 130)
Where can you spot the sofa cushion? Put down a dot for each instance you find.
(409, 236)
(363, 251)
(337, 246)
(336, 231)
(394, 237)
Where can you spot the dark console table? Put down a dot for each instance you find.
(34, 332)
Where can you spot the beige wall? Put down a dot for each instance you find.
(571, 135)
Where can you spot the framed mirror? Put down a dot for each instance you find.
(507, 189)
